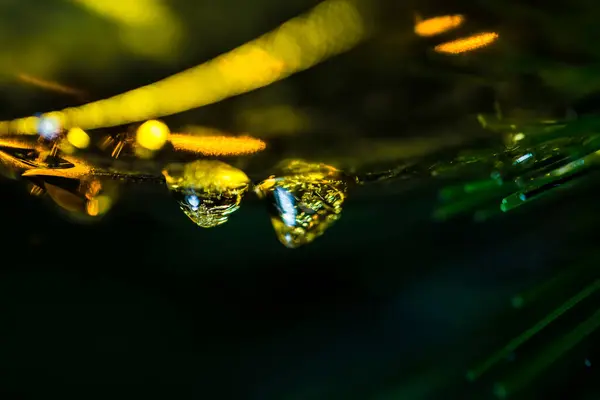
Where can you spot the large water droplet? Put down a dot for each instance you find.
(304, 199)
(207, 191)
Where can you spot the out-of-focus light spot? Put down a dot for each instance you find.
(50, 85)
(518, 137)
(523, 158)
(58, 115)
(467, 44)
(130, 12)
(92, 208)
(568, 168)
(98, 205)
(78, 138)
(246, 67)
(330, 28)
(49, 127)
(438, 25)
(482, 120)
(152, 135)
(148, 27)
(27, 125)
(217, 145)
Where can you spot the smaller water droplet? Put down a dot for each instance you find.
(207, 191)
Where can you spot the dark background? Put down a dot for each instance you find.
(385, 305)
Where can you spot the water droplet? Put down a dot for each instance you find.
(304, 199)
(207, 191)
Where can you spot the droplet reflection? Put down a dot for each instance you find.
(74, 186)
(305, 200)
(83, 199)
(208, 192)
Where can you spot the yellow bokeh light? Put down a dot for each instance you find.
(217, 145)
(152, 135)
(518, 137)
(98, 206)
(147, 27)
(330, 28)
(29, 124)
(78, 138)
(467, 44)
(438, 25)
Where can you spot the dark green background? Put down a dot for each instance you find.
(145, 304)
